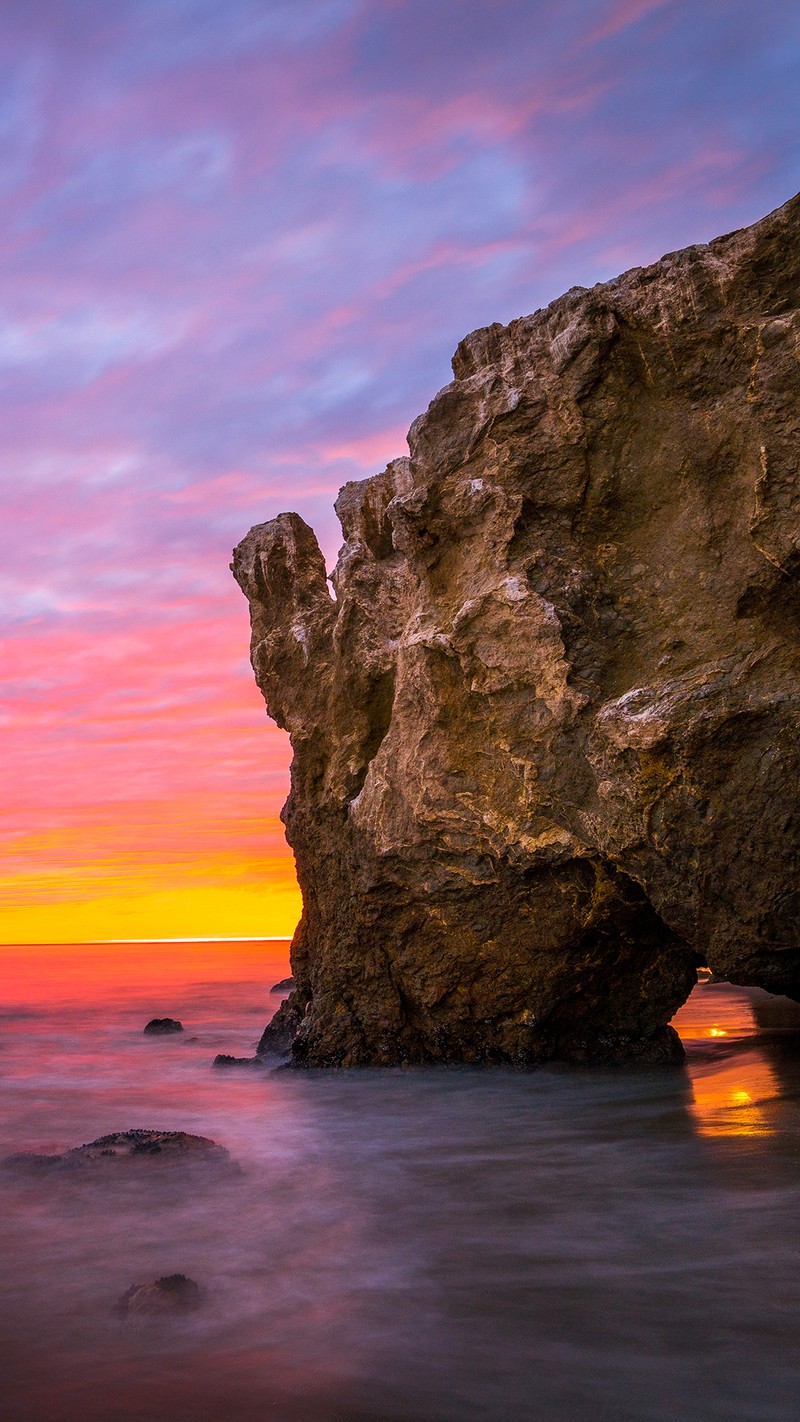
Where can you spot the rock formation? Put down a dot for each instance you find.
(546, 753)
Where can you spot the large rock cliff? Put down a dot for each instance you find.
(546, 750)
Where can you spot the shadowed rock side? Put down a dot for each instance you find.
(546, 753)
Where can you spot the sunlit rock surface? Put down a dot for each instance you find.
(546, 752)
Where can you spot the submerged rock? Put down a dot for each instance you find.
(223, 1060)
(170, 1295)
(126, 1147)
(546, 749)
(162, 1026)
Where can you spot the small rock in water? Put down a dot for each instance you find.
(285, 985)
(223, 1060)
(162, 1026)
(169, 1147)
(172, 1294)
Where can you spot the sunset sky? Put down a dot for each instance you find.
(241, 239)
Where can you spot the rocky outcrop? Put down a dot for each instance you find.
(162, 1027)
(546, 753)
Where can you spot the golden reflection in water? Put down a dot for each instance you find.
(733, 1091)
(733, 1098)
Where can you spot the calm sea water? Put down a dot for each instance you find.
(400, 1246)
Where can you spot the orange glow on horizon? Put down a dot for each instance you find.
(188, 867)
(271, 911)
(95, 882)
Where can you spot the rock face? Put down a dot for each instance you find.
(546, 751)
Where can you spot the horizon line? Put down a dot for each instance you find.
(216, 938)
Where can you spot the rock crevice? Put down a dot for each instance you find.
(546, 751)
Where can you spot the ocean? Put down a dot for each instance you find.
(427, 1245)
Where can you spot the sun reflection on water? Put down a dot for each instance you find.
(735, 1091)
(735, 1098)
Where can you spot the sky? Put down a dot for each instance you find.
(240, 241)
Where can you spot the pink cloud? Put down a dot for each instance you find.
(369, 451)
(621, 15)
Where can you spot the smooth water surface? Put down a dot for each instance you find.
(400, 1246)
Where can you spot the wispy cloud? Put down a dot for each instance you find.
(620, 15)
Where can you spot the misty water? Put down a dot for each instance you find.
(400, 1246)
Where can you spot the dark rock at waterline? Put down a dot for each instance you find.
(162, 1026)
(177, 1148)
(137, 1144)
(170, 1295)
(30, 1163)
(547, 733)
(280, 1035)
(223, 1060)
(285, 985)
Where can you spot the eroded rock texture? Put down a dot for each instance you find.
(546, 752)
